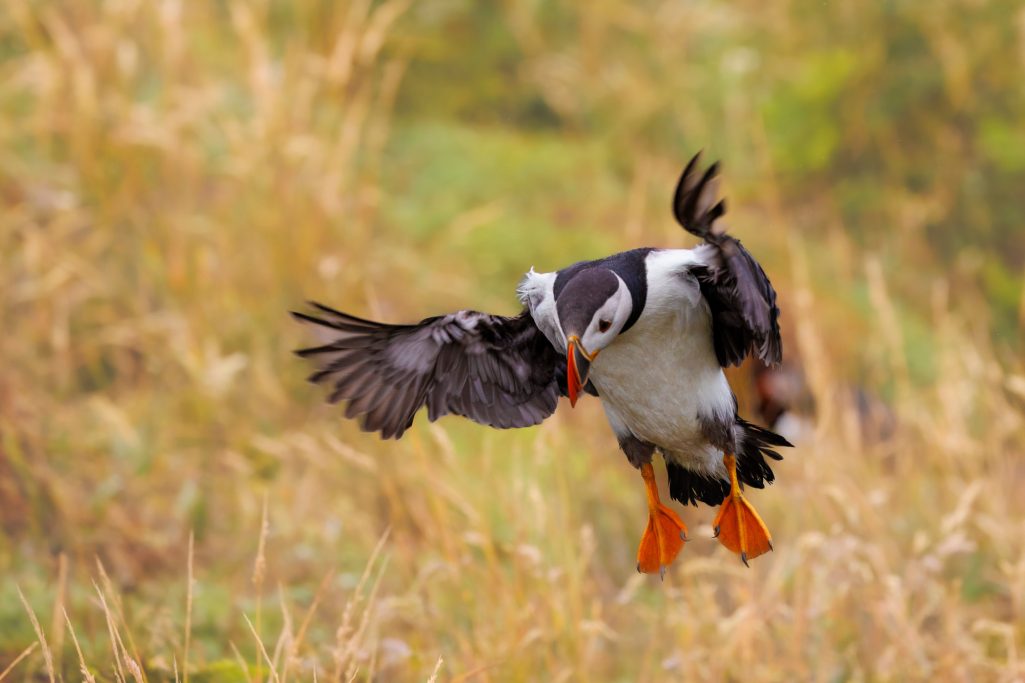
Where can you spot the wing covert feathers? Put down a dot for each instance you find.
(742, 300)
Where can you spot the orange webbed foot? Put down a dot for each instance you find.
(738, 526)
(662, 541)
(664, 535)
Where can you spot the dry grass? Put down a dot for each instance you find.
(174, 177)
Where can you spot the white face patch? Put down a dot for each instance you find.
(609, 320)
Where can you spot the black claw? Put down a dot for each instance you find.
(743, 558)
(716, 534)
(683, 537)
(770, 546)
(639, 568)
(662, 573)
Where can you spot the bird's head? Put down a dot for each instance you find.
(593, 307)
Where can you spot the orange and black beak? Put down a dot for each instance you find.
(578, 365)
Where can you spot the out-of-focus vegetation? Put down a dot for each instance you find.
(174, 176)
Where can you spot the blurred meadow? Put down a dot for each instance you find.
(176, 503)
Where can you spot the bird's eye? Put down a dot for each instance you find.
(604, 325)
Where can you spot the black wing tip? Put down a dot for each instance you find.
(385, 433)
(689, 168)
(323, 308)
(769, 349)
(307, 318)
(695, 212)
(313, 304)
(342, 316)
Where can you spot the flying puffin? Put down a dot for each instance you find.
(647, 331)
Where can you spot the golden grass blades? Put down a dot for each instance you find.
(47, 653)
(14, 662)
(176, 176)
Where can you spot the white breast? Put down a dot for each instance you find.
(656, 378)
(662, 373)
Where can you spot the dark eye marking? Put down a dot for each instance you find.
(604, 325)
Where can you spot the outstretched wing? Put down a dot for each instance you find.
(495, 370)
(745, 318)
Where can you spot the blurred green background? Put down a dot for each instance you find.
(175, 176)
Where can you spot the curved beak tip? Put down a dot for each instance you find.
(577, 366)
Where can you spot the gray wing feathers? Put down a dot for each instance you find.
(745, 318)
(495, 370)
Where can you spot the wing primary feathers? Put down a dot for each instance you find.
(344, 316)
(684, 187)
(499, 371)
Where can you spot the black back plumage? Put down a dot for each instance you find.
(495, 370)
(745, 318)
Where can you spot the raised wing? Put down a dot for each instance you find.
(745, 318)
(498, 371)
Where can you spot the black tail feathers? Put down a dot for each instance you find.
(754, 445)
(688, 486)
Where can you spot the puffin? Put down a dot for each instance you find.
(648, 332)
